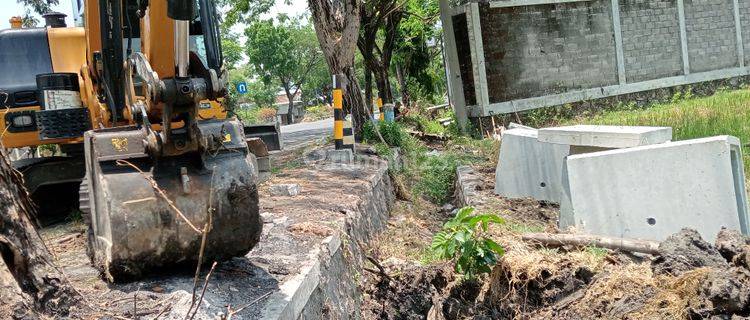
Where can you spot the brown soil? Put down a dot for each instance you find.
(689, 279)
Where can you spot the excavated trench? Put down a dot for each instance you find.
(345, 247)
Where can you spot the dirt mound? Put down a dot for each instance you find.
(722, 293)
(612, 294)
(407, 295)
(685, 251)
(730, 243)
(526, 280)
(461, 302)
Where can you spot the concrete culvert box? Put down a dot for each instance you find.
(600, 136)
(650, 192)
(529, 168)
(531, 161)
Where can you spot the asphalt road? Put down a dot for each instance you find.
(300, 134)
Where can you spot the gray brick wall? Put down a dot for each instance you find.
(537, 50)
(544, 49)
(710, 35)
(744, 6)
(650, 39)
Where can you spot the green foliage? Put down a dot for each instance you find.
(231, 49)
(436, 176)
(463, 239)
(422, 123)
(39, 6)
(317, 87)
(318, 112)
(242, 11)
(383, 150)
(417, 50)
(258, 93)
(544, 117)
(75, 216)
(261, 93)
(392, 132)
(597, 252)
(284, 52)
(254, 115)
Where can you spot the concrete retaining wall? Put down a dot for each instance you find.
(326, 286)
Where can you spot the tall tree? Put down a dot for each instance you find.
(239, 11)
(337, 26)
(231, 48)
(285, 52)
(417, 57)
(380, 17)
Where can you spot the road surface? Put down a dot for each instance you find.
(300, 134)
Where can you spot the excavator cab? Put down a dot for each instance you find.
(161, 165)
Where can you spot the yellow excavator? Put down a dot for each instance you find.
(134, 101)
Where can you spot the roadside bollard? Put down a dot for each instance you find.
(390, 116)
(348, 134)
(380, 109)
(343, 137)
(374, 112)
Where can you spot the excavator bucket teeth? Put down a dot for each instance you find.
(147, 215)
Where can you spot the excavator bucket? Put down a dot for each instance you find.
(146, 215)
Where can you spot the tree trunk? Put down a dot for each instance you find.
(384, 84)
(401, 78)
(337, 27)
(368, 88)
(290, 114)
(356, 104)
(30, 284)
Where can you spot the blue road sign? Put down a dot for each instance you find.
(242, 87)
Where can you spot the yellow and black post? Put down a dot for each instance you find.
(380, 109)
(343, 135)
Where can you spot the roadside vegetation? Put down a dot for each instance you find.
(429, 166)
(724, 113)
(318, 112)
(256, 115)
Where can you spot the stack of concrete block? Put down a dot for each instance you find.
(532, 161)
(628, 182)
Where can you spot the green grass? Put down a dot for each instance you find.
(427, 173)
(724, 113)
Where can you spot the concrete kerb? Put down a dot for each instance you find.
(466, 186)
(322, 277)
